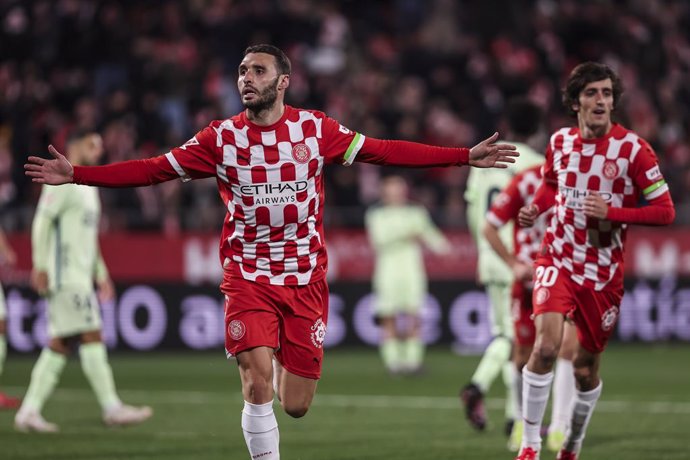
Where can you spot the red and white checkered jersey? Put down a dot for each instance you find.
(621, 167)
(270, 179)
(506, 207)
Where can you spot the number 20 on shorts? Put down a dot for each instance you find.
(545, 276)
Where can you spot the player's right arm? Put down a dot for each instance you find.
(545, 196)
(504, 209)
(194, 160)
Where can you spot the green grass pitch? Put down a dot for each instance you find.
(360, 412)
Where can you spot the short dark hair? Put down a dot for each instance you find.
(524, 116)
(584, 74)
(282, 61)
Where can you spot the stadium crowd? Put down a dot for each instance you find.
(149, 74)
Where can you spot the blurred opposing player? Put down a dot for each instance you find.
(595, 174)
(526, 243)
(66, 263)
(396, 230)
(268, 163)
(7, 256)
(524, 120)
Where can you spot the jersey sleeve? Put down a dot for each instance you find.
(198, 157)
(340, 144)
(646, 174)
(548, 171)
(52, 202)
(507, 205)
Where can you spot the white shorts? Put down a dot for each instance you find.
(73, 311)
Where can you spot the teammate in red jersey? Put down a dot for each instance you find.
(595, 175)
(268, 163)
(526, 243)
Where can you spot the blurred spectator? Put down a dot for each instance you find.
(440, 71)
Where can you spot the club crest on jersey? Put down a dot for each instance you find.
(301, 153)
(542, 295)
(318, 333)
(236, 329)
(608, 319)
(610, 169)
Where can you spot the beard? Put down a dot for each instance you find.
(265, 99)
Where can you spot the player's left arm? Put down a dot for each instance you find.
(349, 146)
(647, 177)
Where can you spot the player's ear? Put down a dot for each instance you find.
(283, 82)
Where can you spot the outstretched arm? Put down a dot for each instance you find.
(133, 173)
(486, 154)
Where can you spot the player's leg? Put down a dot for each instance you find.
(302, 335)
(94, 363)
(251, 334)
(66, 319)
(537, 376)
(595, 319)
(589, 387)
(563, 389)
(390, 347)
(554, 296)
(520, 357)
(297, 393)
(498, 352)
(44, 377)
(413, 292)
(386, 309)
(259, 424)
(495, 357)
(6, 402)
(412, 344)
(524, 333)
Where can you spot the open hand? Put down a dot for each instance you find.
(53, 172)
(486, 154)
